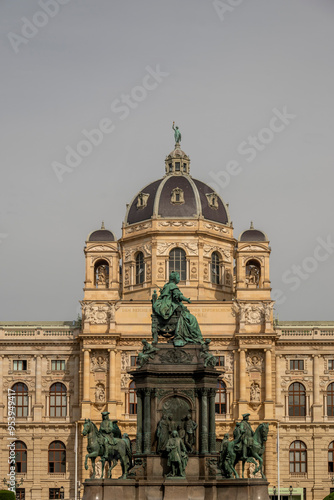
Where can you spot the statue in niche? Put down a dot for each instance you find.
(177, 134)
(255, 392)
(147, 353)
(100, 393)
(163, 432)
(177, 456)
(253, 275)
(102, 275)
(190, 427)
(173, 317)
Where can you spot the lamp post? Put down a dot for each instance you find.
(61, 491)
(17, 484)
(274, 490)
(80, 485)
(290, 490)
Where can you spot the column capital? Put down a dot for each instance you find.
(84, 349)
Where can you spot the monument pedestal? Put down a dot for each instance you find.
(176, 489)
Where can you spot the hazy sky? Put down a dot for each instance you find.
(225, 72)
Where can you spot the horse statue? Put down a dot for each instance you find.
(109, 450)
(232, 453)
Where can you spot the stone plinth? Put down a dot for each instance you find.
(176, 489)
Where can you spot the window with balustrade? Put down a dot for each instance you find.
(297, 400)
(21, 399)
(58, 400)
(57, 458)
(298, 457)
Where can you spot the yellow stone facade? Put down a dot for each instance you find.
(231, 300)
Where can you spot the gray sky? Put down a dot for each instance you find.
(229, 68)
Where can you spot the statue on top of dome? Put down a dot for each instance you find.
(177, 133)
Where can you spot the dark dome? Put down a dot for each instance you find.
(253, 235)
(101, 235)
(195, 199)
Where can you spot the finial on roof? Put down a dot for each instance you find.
(102, 225)
(251, 225)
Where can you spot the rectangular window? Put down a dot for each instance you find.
(331, 364)
(133, 360)
(58, 365)
(177, 166)
(20, 494)
(54, 493)
(19, 364)
(220, 360)
(296, 364)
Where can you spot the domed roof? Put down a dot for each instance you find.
(179, 196)
(102, 234)
(253, 235)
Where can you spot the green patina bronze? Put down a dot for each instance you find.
(173, 317)
(246, 446)
(147, 353)
(177, 134)
(177, 456)
(103, 443)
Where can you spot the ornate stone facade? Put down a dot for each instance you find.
(259, 360)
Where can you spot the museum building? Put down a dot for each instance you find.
(63, 373)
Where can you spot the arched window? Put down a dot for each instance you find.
(298, 457)
(57, 457)
(20, 457)
(331, 457)
(253, 274)
(297, 400)
(140, 268)
(330, 400)
(132, 399)
(58, 400)
(215, 268)
(178, 262)
(21, 395)
(220, 398)
(101, 274)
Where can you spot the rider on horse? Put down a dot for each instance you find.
(247, 434)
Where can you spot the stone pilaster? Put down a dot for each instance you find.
(269, 403)
(139, 438)
(316, 407)
(38, 406)
(204, 445)
(147, 420)
(86, 384)
(212, 421)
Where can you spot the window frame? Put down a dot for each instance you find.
(215, 268)
(132, 399)
(221, 398)
(61, 449)
(21, 410)
(53, 406)
(24, 365)
(295, 393)
(56, 361)
(297, 364)
(297, 463)
(330, 399)
(23, 457)
(140, 269)
(177, 262)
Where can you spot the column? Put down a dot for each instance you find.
(269, 396)
(67, 405)
(287, 406)
(278, 381)
(316, 409)
(86, 377)
(204, 421)
(2, 405)
(76, 380)
(242, 375)
(139, 438)
(38, 382)
(212, 421)
(147, 420)
(112, 374)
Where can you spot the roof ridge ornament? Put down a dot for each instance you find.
(251, 225)
(177, 135)
(102, 225)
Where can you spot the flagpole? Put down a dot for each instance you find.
(278, 471)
